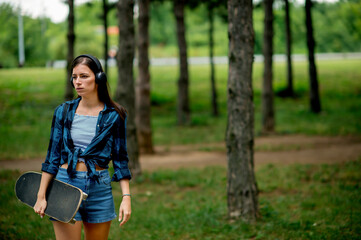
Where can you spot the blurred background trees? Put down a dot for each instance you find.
(338, 30)
(125, 92)
(315, 103)
(268, 122)
(289, 89)
(36, 37)
(183, 109)
(70, 36)
(143, 94)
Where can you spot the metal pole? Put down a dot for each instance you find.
(21, 40)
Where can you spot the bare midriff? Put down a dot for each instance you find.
(80, 166)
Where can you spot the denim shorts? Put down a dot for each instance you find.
(99, 205)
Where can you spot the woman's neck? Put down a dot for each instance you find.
(90, 102)
(90, 106)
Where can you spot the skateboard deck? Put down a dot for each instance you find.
(63, 200)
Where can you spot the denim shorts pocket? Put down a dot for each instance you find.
(106, 180)
(64, 180)
(63, 177)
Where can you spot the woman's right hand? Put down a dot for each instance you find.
(40, 206)
(41, 202)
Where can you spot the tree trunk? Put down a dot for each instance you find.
(315, 103)
(125, 92)
(241, 187)
(289, 89)
(143, 84)
(268, 122)
(69, 94)
(105, 25)
(183, 95)
(211, 44)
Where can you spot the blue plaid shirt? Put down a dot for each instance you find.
(109, 143)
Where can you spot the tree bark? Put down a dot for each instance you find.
(241, 186)
(183, 85)
(143, 83)
(125, 92)
(268, 122)
(289, 89)
(315, 103)
(211, 44)
(69, 94)
(105, 25)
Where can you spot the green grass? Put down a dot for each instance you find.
(295, 201)
(29, 96)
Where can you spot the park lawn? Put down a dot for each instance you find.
(29, 96)
(295, 201)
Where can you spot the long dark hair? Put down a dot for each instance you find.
(103, 86)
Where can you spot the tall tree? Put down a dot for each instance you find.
(289, 89)
(105, 25)
(69, 94)
(183, 81)
(241, 186)
(143, 101)
(125, 92)
(211, 5)
(315, 103)
(268, 122)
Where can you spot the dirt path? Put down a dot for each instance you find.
(273, 149)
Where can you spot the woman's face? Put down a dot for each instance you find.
(84, 81)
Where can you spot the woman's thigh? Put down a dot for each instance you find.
(66, 231)
(96, 231)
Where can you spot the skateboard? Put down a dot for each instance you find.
(63, 199)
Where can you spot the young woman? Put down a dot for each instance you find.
(86, 134)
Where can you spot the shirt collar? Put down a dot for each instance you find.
(75, 103)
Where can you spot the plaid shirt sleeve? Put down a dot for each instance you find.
(52, 161)
(119, 151)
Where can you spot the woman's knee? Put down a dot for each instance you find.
(66, 231)
(96, 231)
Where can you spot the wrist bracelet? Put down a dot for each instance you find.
(126, 195)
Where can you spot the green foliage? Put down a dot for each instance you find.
(337, 28)
(57, 44)
(89, 29)
(162, 24)
(8, 47)
(344, 35)
(35, 38)
(295, 202)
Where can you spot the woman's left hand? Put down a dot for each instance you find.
(125, 210)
